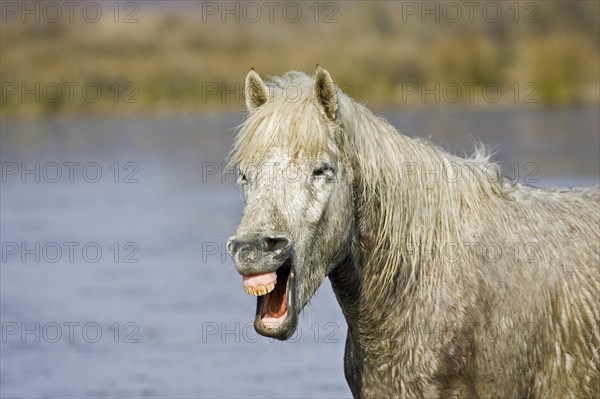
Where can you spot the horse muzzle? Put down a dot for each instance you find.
(267, 267)
(257, 254)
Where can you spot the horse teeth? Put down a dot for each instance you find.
(261, 290)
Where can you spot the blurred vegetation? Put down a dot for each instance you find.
(180, 59)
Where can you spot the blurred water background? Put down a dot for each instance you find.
(147, 303)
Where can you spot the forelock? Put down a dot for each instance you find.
(289, 119)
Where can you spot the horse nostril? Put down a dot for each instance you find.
(274, 243)
(232, 245)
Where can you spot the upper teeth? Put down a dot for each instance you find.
(260, 289)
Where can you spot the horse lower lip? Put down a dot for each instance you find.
(272, 322)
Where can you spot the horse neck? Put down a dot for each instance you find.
(346, 281)
(371, 318)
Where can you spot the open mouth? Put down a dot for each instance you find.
(274, 298)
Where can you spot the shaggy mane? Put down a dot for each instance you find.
(420, 192)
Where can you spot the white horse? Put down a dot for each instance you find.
(332, 190)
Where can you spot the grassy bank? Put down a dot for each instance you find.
(181, 58)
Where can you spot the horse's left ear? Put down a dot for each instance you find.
(325, 93)
(256, 91)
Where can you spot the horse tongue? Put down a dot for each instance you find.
(277, 301)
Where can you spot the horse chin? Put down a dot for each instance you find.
(276, 312)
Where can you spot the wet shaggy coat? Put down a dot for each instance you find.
(455, 281)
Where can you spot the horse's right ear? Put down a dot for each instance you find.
(325, 93)
(255, 91)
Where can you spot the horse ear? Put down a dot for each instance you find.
(255, 91)
(325, 93)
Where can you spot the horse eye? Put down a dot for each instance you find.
(243, 178)
(325, 169)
